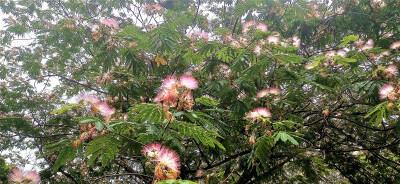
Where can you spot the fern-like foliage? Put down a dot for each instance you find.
(147, 112)
(207, 137)
(106, 146)
(263, 150)
(66, 153)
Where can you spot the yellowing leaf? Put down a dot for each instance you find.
(159, 60)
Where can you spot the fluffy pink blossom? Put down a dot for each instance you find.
(296, 41)
(269, 91)
(392, 70)
(204, 35)
(309, 66)
(169, 158)
(368, 45)
(157, 7)
(167, 97)
(32, 177)
(110, 23)
(152, 150)
(330, 53)
(188, 82)
(257, 50)
(17, 176)
(94, 27)
(88, 98)
(262, 27)
(169, 82)
(386, 91)
(187, 96)
(385, 53)
(105, 110)
(370, 42)
(235, 44)
(258, 113)
(341, 53)
(273, 40)
(247, 25)
(395, 45)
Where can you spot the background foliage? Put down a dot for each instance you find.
(328, 125)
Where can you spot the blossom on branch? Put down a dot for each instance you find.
(258, 113)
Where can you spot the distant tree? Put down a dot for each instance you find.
(261, 91)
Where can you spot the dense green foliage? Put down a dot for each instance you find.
(328, 123)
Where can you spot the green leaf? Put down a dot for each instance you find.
(106, 146)
(284, 136)
(99, 125)
(263, 151)
(207, 101)
(65, 108)
(66, 154)
(347, 39)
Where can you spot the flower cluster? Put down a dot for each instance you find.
(174, 91)
(259, 113)
(167, 161)
(251, 25)
(111, 24)
(388, 91)
(97, 105)
(364, 45)
(274, 40)
(198, 35)
(391, 71)
(268, 92)
(262, 113)
(395, 45)
(18, 176)
(153, 9)
(88, 130)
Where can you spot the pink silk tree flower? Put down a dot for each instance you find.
(88, 98)
(169, 82)
(385, 53)
(152, 150)
(17, 176)
(32, 177)
(341, 53)
(387, 91)
(296, 41)
(262, 27)
(170, 98)
(105, 110)
(167, 97)
(157, 7)
(269, 91)
(110, 23)
(168, 165)
(169, 158)
(273, 40)
(258, 113)
(247, 25)
(367, 46)
(330, 53)
(188, 81)
(94, 28)
(391, 71)
(395, 45)
(257, 50)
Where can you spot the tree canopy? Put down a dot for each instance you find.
(214, 91)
